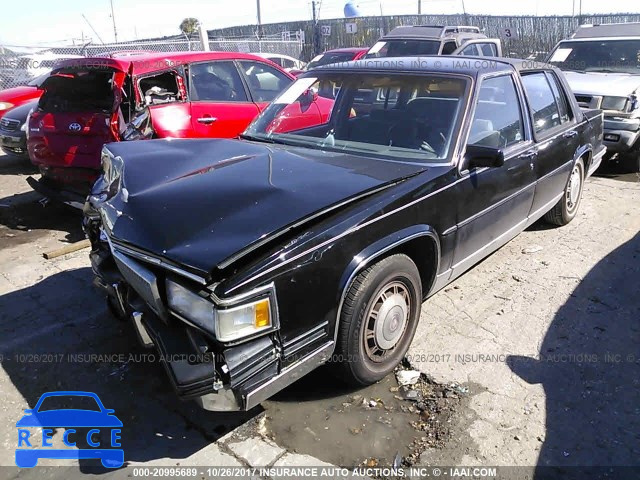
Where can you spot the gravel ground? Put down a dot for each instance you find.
(538, 343)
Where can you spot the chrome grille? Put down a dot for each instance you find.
(588, 101)
(9, 124)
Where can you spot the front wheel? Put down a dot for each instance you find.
(379, 319)
(567, 207)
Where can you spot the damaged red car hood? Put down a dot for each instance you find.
(196, 203)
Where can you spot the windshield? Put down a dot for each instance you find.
(69, 402)
(404, 48)
(330, 57)
(619, 56)
(399, 117)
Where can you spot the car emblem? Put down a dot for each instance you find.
(75, 127)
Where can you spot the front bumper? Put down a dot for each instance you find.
(218, 377)
(14, 143)
(621, 134)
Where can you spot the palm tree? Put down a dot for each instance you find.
(189, 25)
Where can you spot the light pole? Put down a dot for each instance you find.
(259, 19)
(113, 17)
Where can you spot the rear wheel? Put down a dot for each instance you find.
(567, 207)
(379, 319)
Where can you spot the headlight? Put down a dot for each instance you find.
(5, 105)
(25, 126)
(191, 306)
(615, 103)
(242, 321)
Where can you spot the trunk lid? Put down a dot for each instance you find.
(76, 116)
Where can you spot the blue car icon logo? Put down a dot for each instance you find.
(75, 412)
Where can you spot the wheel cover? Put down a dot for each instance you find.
(387, 320)
(574, 188)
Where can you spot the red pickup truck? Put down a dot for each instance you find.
(92, 101)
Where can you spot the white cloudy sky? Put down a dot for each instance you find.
(39, 21)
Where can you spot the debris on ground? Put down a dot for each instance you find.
(407, 377)
(434, 404)
(532, 249)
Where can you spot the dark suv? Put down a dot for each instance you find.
(435, 40)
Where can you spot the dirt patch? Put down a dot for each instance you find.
(384, 424)
(27, 222)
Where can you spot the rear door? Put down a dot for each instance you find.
(219, 101)
(555, 130)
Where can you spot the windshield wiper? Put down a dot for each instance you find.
(605, 70)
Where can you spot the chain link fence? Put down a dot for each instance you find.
(20, 64)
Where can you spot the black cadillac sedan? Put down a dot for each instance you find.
(248, 263)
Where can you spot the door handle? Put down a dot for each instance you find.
(530, 154)
(207, 120)
(570, 134)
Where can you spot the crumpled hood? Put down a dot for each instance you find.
(198, 202)
(606, 84)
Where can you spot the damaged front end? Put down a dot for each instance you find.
(225, 354)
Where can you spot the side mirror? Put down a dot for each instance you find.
(478, 156)
(307, 98)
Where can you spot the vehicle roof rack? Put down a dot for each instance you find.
(433, 31)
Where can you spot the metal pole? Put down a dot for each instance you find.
(93, 29)
(259, 19)
(113, 17)
(316, 32)
(419, 7)
(580, 13)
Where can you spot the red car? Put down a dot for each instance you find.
(92, 101)
(16, 96)
(337, 55)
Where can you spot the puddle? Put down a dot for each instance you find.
(375, 425)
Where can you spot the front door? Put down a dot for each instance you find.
(495, 202)
(265, 81)
(220, 105)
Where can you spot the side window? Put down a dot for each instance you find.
(449, 48)
(488, 49)
(216, 82)
(471, 50)
(286, 63)
(160, 88)
(265, 82)
(497, 120)
(561, 99)
(541, 101)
